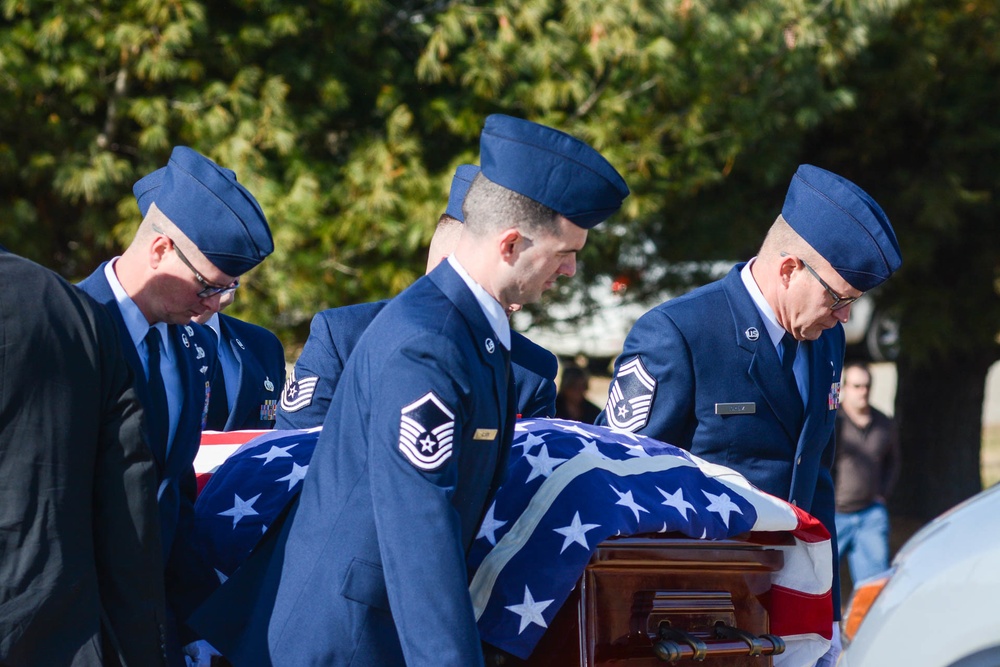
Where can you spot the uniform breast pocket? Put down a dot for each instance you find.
(365, 583)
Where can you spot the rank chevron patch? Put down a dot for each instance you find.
(426, 432)
(630, 397)
(298, 394)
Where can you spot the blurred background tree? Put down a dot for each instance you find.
(346, 118)
(924, 137)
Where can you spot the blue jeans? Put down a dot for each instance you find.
(863, 537)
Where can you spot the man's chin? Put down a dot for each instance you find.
(186, 317)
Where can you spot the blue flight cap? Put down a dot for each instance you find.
(844, 225)
(552, 168)
(206, 202)
(459, 187)
(145, 188)
(150, 183)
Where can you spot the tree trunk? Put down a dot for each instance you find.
(939, 408)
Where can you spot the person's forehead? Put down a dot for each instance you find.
(856, 376)
(836, 281)
(570, 235)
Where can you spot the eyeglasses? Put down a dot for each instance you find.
(838, 301)
(208, 288)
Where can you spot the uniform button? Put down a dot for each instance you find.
(799, 461)
(795, 503)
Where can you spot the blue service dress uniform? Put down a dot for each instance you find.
(419, 429)
(534, 370)
(335, 332)
(188, 578)
(333, 335)
(261, 374)
(684, 360)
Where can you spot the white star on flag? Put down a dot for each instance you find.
(628, 434)
(590, 447)
(635, 450)
(275, 453)
(722, 505)
(676, 500)
(541, 465)
(625, 499)
(529, 611)
(574, 428)
(240, 508)
(530, 442)
(297, 475)
(489, 526)
(576, 532)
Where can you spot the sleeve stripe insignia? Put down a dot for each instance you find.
(631, 397)
(298, 394)
(426, 432)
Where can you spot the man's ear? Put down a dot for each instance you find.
(511, 243)
(787, 267)
(158, 248)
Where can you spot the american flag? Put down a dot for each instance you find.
(570, 486)
(245, 479)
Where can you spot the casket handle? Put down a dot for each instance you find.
(723, 631)
(675, 644)
(667, 648)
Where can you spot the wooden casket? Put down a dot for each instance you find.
(646, 601)
(761, 568)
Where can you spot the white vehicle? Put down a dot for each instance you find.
(937, 605)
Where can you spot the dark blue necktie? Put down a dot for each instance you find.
(789, 347)
(156, 411)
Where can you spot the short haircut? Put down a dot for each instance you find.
(782, 238)
(490, 208)
(444, 240)
(156, 222)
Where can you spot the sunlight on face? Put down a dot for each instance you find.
(808, 301)
(545, 257)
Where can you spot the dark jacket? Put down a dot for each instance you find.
(80, 564)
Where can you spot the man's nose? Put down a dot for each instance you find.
(212, 302)
(843, 314)
(568, 267)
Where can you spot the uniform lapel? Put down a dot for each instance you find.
(98, 287)
(822, 375)
(194, 362)
(763, 364)
(488, 347)
(243, 361)
(452, 285)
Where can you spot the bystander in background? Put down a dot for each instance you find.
(571, 401)
(867, 467)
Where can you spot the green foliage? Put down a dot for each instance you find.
(925, 139)
(347, 119)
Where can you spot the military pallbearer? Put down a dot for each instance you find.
(371, 568)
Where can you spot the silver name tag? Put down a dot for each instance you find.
(735, 408)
